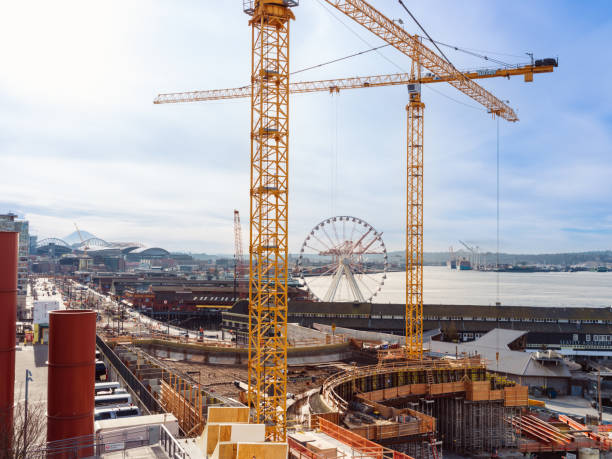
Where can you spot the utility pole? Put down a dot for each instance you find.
(28, 378)
(599, 395)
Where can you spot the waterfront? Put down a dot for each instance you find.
(443, 286)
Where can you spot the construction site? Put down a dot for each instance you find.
(276, 389)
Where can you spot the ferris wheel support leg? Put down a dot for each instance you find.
(352, 283)
(333, 287)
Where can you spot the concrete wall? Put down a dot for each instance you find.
(237, 356)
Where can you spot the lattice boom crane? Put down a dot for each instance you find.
(238, 253)
(269, 213)
(339, 84)
(422, 57)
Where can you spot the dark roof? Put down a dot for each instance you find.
(437, 310)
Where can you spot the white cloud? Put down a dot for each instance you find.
(80, 139)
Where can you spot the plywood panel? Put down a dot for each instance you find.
(262, 451)
(228, 414)
(225, 450)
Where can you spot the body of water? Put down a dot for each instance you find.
(445, 286)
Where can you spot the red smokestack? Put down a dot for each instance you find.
(72, 361)
(8, 319)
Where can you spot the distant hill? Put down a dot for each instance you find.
(73, 238)
(440, 258)
(562, 259)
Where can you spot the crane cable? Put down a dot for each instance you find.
(432, 40)
(396, 65)
(339, 59)
(497, 209)
(471, 53)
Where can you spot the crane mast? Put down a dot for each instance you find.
(268, 249)
(414, 217)
(238, 253)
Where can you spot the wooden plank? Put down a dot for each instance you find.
(228, 414)
(262, 450)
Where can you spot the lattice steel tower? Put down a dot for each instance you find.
(414, 215)
(268, 268)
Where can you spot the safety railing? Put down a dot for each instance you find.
(171, 445)
(119, 440)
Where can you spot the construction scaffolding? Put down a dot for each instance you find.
(468, 427)
(424, 405)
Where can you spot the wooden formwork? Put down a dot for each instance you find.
(516, 396)
(362, 446)
(185, 401)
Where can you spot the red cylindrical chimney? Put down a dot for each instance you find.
(71, 379)
(8, 333)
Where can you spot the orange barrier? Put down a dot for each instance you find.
(603, 441)
(299, 451)
(364, 446)
(541, 431)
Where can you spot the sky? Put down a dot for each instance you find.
(81, 140)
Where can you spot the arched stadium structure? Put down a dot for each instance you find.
(57, 247)
(53, 246)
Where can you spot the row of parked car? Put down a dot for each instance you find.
(111, 400)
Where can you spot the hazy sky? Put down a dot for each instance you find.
(80, 139)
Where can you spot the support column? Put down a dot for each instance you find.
(8, 319)
(71, 380)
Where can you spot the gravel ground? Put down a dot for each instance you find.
(220, 378)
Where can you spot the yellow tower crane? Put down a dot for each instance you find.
(366, 15)
(83, 265)
(268, 248)
(269, 93)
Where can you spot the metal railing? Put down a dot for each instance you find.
(135, 384)
(119, 440)
(171, 445)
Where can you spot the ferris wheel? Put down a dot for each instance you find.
(343, 259)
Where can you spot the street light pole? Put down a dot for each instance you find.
(28, 378)
(599, 395)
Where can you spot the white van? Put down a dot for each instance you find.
(115, 413)
(106, 388)
(113, 400)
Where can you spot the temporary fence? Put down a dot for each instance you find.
(124, 440)
(145, 396)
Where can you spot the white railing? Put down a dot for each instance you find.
(171, 445)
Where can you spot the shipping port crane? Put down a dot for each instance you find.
(269, 93)
(475, 254)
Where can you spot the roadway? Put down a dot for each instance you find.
(139, 320)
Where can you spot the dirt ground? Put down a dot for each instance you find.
(220, 379)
